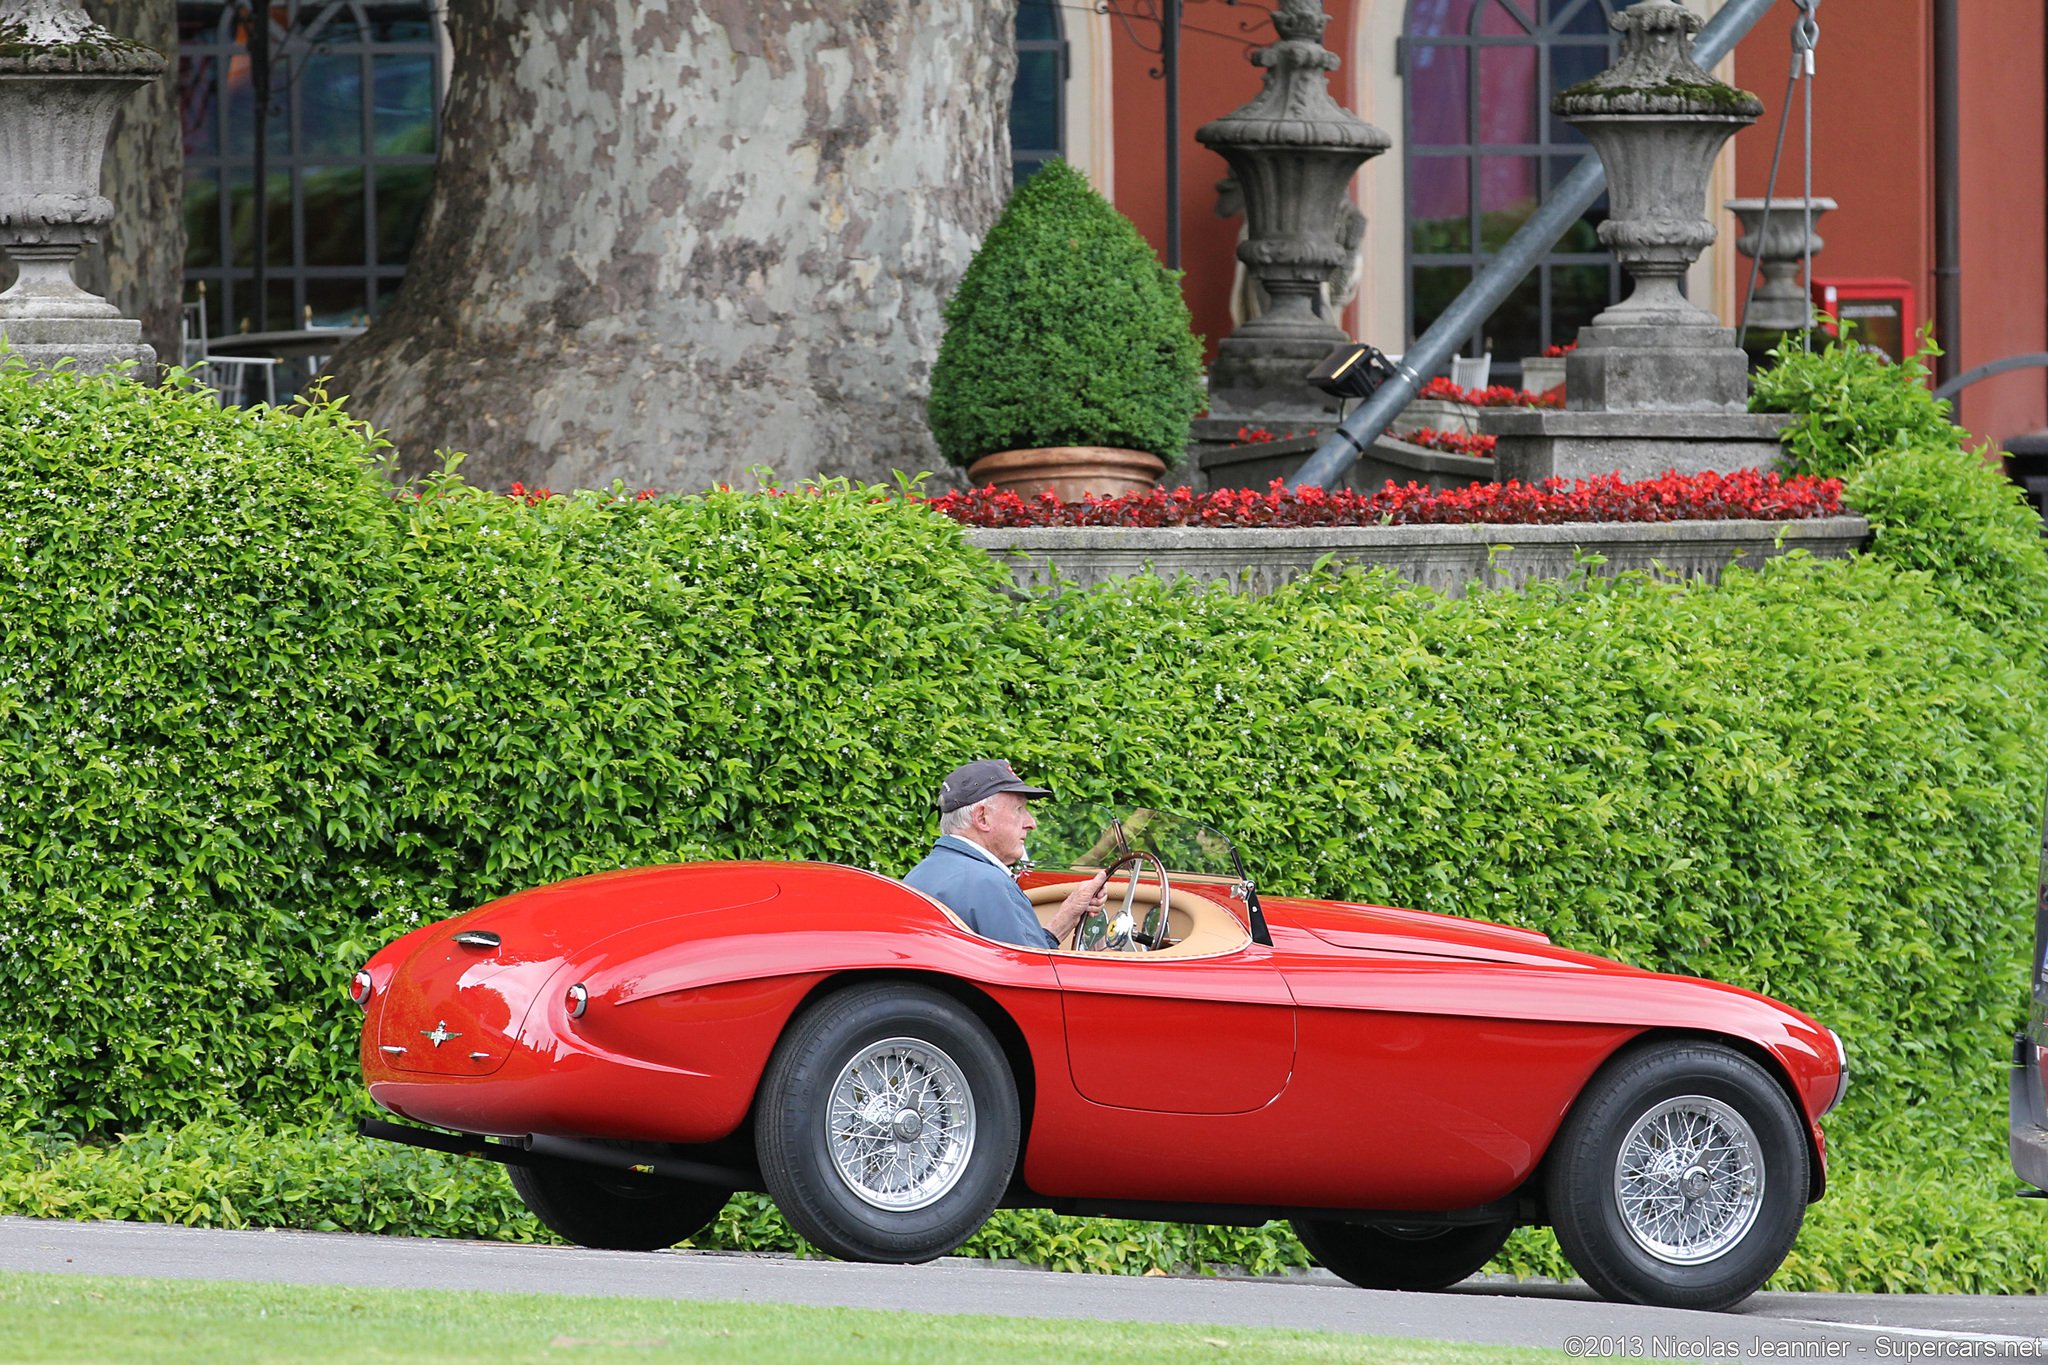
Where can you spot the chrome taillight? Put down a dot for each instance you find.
(577, 1000)
(361, 988)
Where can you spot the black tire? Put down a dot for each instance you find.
(816, 1195)
(1402, 1258)
(614, 1214)
(1704, 1082)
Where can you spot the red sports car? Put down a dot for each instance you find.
(1406, 1088)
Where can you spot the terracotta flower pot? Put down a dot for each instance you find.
(1068, 472)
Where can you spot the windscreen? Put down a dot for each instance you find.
(1095, 836)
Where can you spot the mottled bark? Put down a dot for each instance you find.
(140, 263)
(671, 239)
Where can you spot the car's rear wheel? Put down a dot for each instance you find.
(1679, 1178)
(888, 1124)
(614, 1214)
(1402, 1257)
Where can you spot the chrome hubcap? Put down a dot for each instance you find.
(900, 1124)
(1689, 1180)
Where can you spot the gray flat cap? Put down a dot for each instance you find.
(981, 779)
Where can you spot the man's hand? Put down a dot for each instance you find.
(1089, 896)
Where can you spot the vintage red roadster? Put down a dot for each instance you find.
(1406, 1088)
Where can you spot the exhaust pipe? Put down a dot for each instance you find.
(537, 1149)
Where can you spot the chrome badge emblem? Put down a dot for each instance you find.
(439, 1033)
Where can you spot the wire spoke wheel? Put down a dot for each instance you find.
(888, 1124)
(1680, 1177)
(1689, 1179)
(900, 1124)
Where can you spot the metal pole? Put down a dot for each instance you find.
(1169, 67)
(1571, 198)
(1809, 33)
(259, 83)
(1948, 225)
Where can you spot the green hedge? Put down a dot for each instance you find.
(1853, 405)
(1932, 504)
(263, 715)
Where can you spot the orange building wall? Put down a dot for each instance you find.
(1873, 153)
(1872, 138)
(2005, 202)
(1215, 79)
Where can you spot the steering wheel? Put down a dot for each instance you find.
(1121, 933)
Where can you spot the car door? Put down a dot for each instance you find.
(1201, 1035)
(1435, 1067)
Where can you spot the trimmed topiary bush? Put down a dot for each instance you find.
(1065, 330)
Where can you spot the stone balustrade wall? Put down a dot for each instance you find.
(1448, 558)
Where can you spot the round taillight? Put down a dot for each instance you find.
(577, 1000)
(361, 988)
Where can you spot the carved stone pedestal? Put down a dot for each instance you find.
(92, 345)
(1668, 368)
(1656, 382)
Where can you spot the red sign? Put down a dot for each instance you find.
(1881, 309)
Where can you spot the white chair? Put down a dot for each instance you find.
(1471, 374)
(229, 376)
(192, 331)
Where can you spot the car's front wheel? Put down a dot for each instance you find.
(1402, 1257)
(1680, 1177)
(888, 1124)
(616, 1214)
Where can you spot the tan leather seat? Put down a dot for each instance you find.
(1198, 926)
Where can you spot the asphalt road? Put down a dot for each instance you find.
(1566, 1317)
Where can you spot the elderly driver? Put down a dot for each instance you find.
(983, 818)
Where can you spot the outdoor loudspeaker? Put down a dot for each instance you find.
(1352, 372)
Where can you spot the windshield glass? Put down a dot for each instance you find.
(1095, 836)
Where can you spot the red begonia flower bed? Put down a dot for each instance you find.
(1747, 494)
(1455, 442)
(1492, 396)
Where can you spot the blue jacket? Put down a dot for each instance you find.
(970, 884)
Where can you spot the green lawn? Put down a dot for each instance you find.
(90, 1318)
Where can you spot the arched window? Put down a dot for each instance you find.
(1483, 150)
(354, 118)
(1038, 125)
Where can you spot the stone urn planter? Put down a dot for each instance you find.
(1293, 151)
(61, 79)
(1781, 244)
(1657, 121)
(1069, 473)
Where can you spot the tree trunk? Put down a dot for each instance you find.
(140, 263)
(673, 239)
